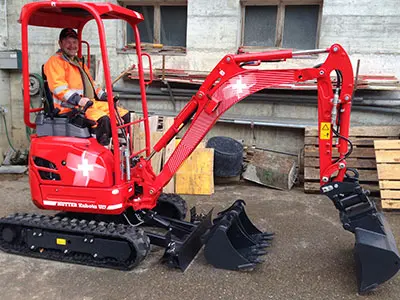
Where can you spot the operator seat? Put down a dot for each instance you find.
(50, 122)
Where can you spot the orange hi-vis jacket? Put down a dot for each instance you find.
(66, 83)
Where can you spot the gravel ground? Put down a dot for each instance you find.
(311, 256)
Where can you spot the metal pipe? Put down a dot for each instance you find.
(315, 51)
(128, 162)
(282, 99)
(153, 97)
(377, 109)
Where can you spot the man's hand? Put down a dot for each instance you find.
(83, 101)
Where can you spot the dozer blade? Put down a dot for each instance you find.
(375, 251)
(376, 255)
(183, 240)
(234, 243)
(186, 252)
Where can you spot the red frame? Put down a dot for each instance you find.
(49, 14)
(227, 84)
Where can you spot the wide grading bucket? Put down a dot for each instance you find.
(375, 251)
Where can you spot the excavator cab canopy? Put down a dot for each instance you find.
(60, 14)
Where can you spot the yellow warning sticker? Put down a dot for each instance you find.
(62, 242)
(325, 131)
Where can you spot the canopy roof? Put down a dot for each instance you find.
(61, 14)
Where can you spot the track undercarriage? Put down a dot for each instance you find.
(118, 242)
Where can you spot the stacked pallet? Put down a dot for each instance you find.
(195, 176)
(362, 157)
(388, 164)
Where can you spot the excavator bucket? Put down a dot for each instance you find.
(234, 242)
(375, 251)
(376, 255)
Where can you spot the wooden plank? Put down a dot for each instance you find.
(390, 204)
(351, 162)
(196, 174)
(389, 171)
(201, 145)
(392, 156)
(365, 175)
(169, 149)
(138, 140)
(356, 141)
(313, 151)
(153, 123)
(157, 158)
(360, 131)
(390, 194)
(387, 144)
(313, 187)
(387, 184)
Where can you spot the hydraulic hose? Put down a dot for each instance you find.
(7, 135)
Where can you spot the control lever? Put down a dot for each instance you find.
(116, 99)
(87, 105)
(69, 105)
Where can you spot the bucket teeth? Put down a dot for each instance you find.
(268, 234)
(262, 238)
(259, 252)
(263, 245)
(257, 260)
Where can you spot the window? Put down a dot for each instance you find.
(283, 24)
(164, 23)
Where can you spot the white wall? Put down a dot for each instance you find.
(369, 31)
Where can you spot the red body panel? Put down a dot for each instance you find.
(85, 170)
(79, 162)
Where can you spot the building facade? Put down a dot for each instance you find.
(196, 34)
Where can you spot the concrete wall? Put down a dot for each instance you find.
(368, 30)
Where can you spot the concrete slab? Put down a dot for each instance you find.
(311, 257)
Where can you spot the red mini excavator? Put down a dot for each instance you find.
(106, 195)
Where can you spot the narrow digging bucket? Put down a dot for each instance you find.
(375, 251)
(376, 256)
(234, 242)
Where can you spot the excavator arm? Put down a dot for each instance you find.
(233, 79)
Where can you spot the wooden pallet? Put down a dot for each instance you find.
(388, 165)
(195, 176)
(158, 126)
(362, 157)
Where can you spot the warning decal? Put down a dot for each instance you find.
(62, 242)
(325, 131)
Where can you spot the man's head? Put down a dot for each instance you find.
(68, 41)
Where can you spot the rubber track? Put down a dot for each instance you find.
(176, 201)
(138, 241)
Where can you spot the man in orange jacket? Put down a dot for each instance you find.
(69, 81)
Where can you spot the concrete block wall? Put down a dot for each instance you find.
(368, 31)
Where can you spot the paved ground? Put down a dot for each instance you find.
(311, 257)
